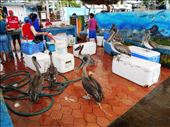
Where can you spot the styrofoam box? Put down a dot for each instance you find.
(63, 62)
(91, 40)
(100, 40)
(139, 71)
(145, 54)
(42, 58)
(89, 48)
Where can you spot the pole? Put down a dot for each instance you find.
(47, 9)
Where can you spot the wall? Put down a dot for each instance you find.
(136, 20)
(68, 11)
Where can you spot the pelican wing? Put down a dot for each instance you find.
(122, 49)
(93, 88)
(112, 34)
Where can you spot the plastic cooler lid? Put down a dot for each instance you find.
(145, 64)
(66, 56)
(39, 56)
(143, 51)
(88, 42)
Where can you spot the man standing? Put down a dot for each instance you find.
(92, 27)
(13, 24)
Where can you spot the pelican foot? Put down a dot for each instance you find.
(87, 97)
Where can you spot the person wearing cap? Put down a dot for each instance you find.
(14, 24)
(48, 23)
(29, 32)
(35, 22)
(4, 41)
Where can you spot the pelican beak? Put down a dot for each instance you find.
(81, 65)
(34, 59)
(78, 48)
(38, 64)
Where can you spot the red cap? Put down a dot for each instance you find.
(10, 12)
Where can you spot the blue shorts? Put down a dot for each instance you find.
(92, 34)
(4, 43)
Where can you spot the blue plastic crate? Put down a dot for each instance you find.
(50, 47)
(106, 35)
(31, 47)
(107, 48)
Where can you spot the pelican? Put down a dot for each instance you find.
(84, 57)
(114, 34)
(147, 41)
(36, 86)
(113, 31)
(116, 44)
(52, 71)
(90, 84)
(119, 48)
(1, 66)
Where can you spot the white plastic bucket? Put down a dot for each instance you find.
(61, 47)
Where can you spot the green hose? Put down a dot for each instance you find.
(58, 87)
(35, 113)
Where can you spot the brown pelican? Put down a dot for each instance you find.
(119, 48)
(116, 45)
(113, 31)
(114, 34)
(84, 57)
(90, 84)
(51, 71)
(36, 86)
(147, 41)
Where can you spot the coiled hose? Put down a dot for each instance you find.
(17, 84)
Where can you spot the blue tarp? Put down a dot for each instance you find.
(5, 120)
(136, 20)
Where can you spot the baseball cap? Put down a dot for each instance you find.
(26, 19)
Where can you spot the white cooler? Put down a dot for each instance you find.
(89, 48)
(63, 62)
(139, 71)
(100, 40)
(42, 58)
(145, 54)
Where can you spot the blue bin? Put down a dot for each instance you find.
(106, 35)
(153, 59)
(50, 47)
(107, 48)
(31, 47)
(145, 54)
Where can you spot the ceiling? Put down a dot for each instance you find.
(98, 2)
